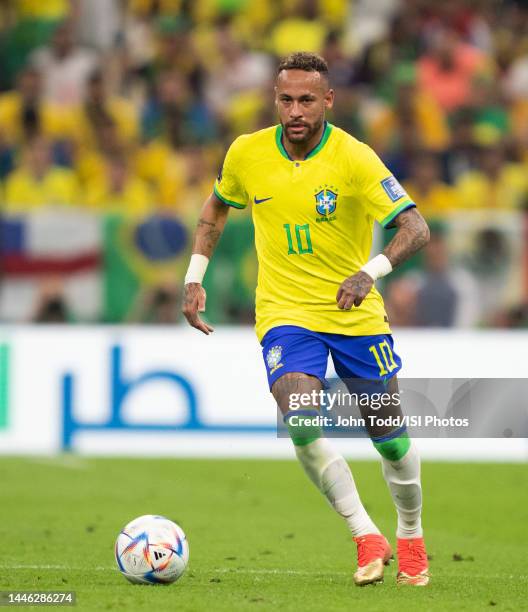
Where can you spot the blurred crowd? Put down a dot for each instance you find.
(127, 106)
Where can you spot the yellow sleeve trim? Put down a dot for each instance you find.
(226, 201)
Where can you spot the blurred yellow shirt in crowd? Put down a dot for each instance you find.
(436, 201)
(333, 11)
(296, 33)
(133, 200)
(146, 7)
(164, 169)
(22, 192)
(121, 111)
(430, 121)
(510, 191)
(251, 23)
(244, 111)
(43, 9)
(190, 206)
(55, 122)
(89, 165)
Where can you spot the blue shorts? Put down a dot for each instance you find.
(288, 348)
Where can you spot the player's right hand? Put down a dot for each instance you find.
(193, 303)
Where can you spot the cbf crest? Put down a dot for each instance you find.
(326, 202)
(273, 358)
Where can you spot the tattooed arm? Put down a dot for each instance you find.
(210, 226)
(411, 236)
(208, 231)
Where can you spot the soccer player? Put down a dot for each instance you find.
(316, 192)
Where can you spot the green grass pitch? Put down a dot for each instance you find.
(261, 537)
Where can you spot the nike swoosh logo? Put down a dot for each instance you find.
(263, 200)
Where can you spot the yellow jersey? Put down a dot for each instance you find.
(314, 223)
(23, 193)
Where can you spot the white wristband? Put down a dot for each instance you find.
(377, 267)
(196, 269)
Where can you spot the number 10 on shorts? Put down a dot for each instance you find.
(384, 358)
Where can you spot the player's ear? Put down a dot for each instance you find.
(329, 98)
(276, 98)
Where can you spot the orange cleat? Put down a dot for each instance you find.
(412, 562)
(373, 553)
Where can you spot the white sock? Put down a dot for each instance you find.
(403, 479)
(331, 475)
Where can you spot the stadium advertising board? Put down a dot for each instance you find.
(174, 392)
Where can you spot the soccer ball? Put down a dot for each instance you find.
(152, 550)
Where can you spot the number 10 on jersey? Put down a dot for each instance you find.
(302, 238)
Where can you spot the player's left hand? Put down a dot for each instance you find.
(353, 290)
(193, 303)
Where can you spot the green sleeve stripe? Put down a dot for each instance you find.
(397, 211)
(226, 201)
